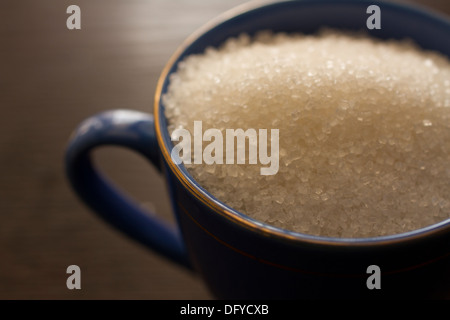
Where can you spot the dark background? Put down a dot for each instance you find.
(50, 80)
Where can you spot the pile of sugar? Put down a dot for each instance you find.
(364, 130)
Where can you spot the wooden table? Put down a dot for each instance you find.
(50, 80)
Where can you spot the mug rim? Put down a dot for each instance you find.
(241, 218)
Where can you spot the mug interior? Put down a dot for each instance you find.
(429, 30)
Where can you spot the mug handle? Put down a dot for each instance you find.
(134, 130)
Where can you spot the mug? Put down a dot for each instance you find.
(239, 257)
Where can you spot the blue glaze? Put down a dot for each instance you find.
(134, 130)
(254, 260)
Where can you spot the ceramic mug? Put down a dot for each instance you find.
(237, 256)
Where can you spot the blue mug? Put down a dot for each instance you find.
(237, 256)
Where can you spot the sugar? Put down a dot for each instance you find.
(364, 129)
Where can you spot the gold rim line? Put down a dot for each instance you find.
(205, 199)
(304, 271)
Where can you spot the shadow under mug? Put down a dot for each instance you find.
(237, 256)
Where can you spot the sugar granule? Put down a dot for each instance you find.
(364, 128)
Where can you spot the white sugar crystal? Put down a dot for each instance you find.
(427, 123)
(364, 130)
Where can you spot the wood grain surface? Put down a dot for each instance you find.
(50, 80)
